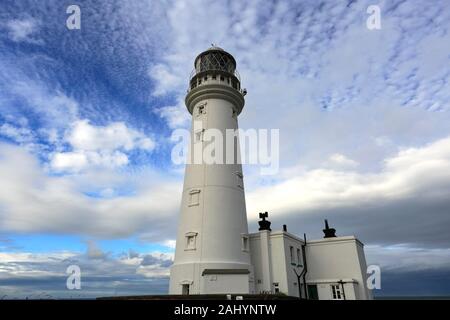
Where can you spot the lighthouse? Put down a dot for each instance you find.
(212, 252)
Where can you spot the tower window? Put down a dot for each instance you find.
(240, 180)
(205, 78)
(199, 135)
(336, 292)
(222, 78)
(214, 77)
(194, 198)
(201, 110)
(191, 238)
(235, 149)
(245, 243)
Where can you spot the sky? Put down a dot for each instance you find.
(86, 119)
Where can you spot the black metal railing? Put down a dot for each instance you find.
(218, 70)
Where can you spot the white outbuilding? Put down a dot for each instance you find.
(332, 268)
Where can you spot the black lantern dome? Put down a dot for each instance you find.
(216, 59)
(215, 64)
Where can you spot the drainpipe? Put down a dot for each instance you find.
(299, 280)
(305, 266)
(299, 276)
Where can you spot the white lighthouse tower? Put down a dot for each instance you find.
(212, 250)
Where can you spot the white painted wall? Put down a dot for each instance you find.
(256, 260)
(236, 283)
(340, 258)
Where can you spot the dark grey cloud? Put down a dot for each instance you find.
(414, 283)
(152, 260)
(415, 221)
(91, 287)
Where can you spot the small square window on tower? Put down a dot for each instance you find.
(198, 135)
(245, 244)
(201, 110)
(194, 197)
(240, 180)
(191, 239)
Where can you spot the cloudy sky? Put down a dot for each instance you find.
(86, 118)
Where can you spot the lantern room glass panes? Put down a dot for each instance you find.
(215, 61)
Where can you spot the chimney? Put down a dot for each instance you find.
(263, 223)
(329, 232)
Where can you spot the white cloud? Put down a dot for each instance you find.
(422, 174)
(107, 193)
(81, 160)
(43, 275)
(315, 57)
(100, 146)
(21, 30)
(382, 141)
(69, 160)
(30, 199)
(408, 258)
(116, 135)
(341, 161)
(169, 243)
(53, 108)
(165, 79)
(32, 202)
(176, 116)
(18, 134)
(58, 117)
(94, 252)
(107, 159)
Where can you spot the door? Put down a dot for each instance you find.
(312, 292)
(185, 289)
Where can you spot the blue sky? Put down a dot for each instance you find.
(86, 118)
